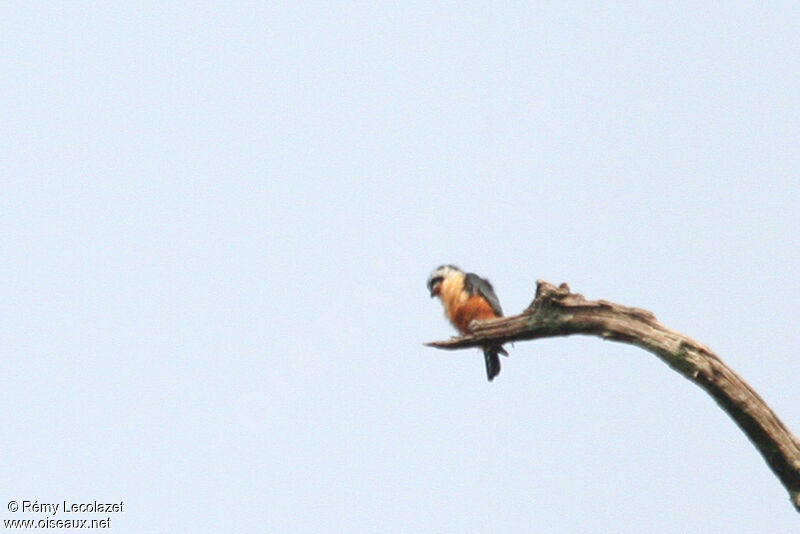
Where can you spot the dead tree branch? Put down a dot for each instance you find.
(557, 312)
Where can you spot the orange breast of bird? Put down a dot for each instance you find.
(475, 308)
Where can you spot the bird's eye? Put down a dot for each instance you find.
(436, 280)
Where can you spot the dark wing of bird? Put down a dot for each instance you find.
(474, 284)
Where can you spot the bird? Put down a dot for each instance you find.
(467, 297)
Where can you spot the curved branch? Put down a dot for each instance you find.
(557, 312)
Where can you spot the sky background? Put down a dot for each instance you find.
(217, 221)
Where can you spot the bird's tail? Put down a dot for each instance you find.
(490, 354)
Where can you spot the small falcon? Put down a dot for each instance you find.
(467, 297)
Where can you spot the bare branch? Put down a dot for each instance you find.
(557, 312)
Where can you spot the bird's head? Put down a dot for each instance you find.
(440, 275)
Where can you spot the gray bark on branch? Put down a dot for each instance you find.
(557, 312)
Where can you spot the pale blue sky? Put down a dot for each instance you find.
(217, 221)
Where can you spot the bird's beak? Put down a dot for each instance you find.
(434, 290)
